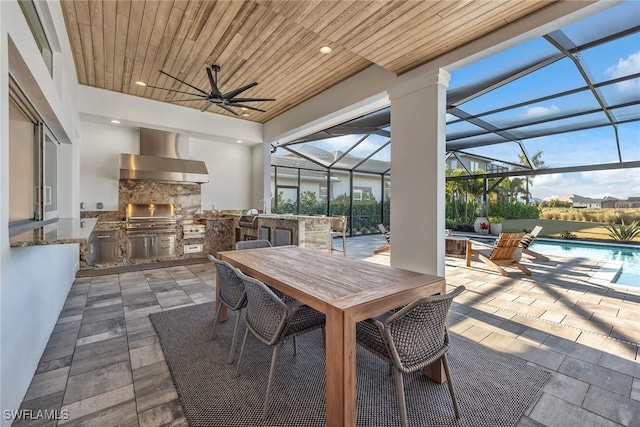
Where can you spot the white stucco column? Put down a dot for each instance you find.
(418, 109)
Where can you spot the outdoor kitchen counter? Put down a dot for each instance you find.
(64, 231)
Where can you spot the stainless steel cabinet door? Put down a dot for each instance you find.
(137, 247)
(165, 246)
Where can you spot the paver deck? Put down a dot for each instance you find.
(103, 362)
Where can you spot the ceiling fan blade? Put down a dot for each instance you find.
(184, 100)
(214, 86)
(207, 105)
(233, 104)
(250, 99)
(227, 108)
(173, 90)
(238, 91)
(183, 82)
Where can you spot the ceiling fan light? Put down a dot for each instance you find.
(325, 49)
(244, 108)
(141, 83)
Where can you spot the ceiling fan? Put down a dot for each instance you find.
(215, 97)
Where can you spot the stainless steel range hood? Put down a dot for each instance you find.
(163, 157)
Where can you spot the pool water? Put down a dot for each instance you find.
(630, 255)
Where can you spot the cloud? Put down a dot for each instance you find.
(539, 111)
(625, 67)
(619, 183)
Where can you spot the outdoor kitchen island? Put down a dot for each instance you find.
(313, 232)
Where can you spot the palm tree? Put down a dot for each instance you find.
(515, 187)
(538, 163)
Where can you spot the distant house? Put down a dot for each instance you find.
(630, 202)
(580, 201)
(610, 202)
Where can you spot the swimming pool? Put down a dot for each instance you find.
(629, 255)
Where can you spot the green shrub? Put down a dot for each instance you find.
(624, 232)
(568, 235)
(495, 219)
(515, 211)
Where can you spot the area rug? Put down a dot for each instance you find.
(493, 389)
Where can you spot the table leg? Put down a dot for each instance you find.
(435, 371)
(340, 369)
(223, 310)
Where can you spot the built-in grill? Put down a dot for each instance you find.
(151, 218)
(250, 221)
(151, 231)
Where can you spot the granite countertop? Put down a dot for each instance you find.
(60, 232)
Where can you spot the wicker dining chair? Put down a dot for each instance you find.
(273, 321)
(410, 339)
(252, 244)
(232, 295)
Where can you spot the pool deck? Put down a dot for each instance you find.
(104, 364)
(565, 318)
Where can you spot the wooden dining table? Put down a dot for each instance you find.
(346, 291)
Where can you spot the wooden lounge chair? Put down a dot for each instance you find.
(503, 253)
(387, 236)
(528, 239)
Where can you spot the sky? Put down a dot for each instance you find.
(611, 60)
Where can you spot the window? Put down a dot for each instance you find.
(323, 192)
(33, 165)
(454, 164)
(35, 24)
(361, 194)
(474, 166)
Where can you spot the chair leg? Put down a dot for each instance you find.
(215, 318)
(244, 341)
(400, 392)
(272, 372)
(344, 245)
(235, 337)
(450, 384)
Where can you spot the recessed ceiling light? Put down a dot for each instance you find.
(141, 83)
(239, 141)
(115, 121)
(325, 49)
(245, 114)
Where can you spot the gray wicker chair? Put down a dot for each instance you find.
(256, 244)
(273, 321)
(232, 295)
(410, 339)
(252, 244)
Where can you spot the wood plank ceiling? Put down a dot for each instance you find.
(273, 42)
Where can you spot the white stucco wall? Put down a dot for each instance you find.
(34, 282)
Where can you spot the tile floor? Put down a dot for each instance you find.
(103, 362)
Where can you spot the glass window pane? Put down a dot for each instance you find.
(282, 157)
(569, 104)
(620, 93)
(326, 151)
(21, 162)
(508, 152)
(605, 23)
(502, 63)
(379, 162)
(592, 146)
(340, 194)
(559, 126)
(313, 192)
(367, 206)
(361, 151)
(629, 135)
(560, 76)
(615, 59)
